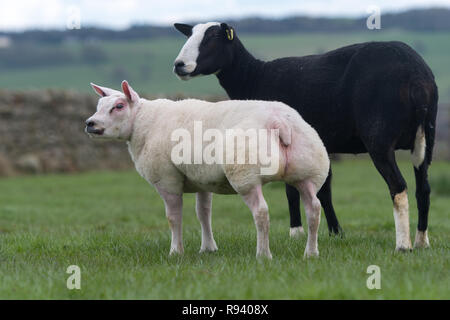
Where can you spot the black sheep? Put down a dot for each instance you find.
(373, 97)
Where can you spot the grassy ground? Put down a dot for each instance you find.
(148, 63)
(112, 225)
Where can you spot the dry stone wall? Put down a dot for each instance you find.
(43, 132)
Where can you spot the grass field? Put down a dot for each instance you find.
(112, 225)
(148, 63)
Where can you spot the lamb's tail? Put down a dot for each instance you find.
(284, 129)
(425, 99)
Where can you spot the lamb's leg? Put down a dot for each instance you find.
(258, 206)
(203, 208)
(174, 210)
(312, 209)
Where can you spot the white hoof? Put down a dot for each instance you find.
(403, 245)
(175, 252)
(421, 239)
(405, 248)
(296, 232)
(265, 255)
(211, 247)
(311, 254)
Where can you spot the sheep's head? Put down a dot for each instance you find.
(208, 49)
(115, 113)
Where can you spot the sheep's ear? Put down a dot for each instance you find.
(185, 29)
(103, 91)
(129, 92)
(227, 31)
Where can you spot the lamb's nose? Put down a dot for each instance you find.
(90, 123)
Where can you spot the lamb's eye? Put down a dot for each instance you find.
(118, 107)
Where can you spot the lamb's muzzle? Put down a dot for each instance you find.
(91, 128)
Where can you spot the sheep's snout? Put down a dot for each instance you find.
(178, 67)
(93, 128)
(182, 70)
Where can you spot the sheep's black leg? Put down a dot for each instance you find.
(422, 195)
(423, 204)
(324, 196)
(386, 165)
(294, 206)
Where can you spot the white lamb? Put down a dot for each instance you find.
(286, 149)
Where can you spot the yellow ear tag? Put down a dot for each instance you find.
(230, 34)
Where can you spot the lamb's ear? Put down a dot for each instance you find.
(227, 31)
(185, 29)
(103, 91)
(129, 92)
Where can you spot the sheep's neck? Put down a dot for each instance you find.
(137, 139)
(240, 79)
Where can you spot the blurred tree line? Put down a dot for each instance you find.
(437, 19)
(29, 55)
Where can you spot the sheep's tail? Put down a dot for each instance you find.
(425, 102)
(430, 130)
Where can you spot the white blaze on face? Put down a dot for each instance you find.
(191, 49)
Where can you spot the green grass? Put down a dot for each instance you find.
(148, 63)
(113, 226)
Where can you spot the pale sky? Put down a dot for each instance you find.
(119, 14)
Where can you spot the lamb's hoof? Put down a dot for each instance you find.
(264, 256)
(210, 248)
(175, 252)
(421, 240)
(311, 254)
(296, 232)
(403, 249)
